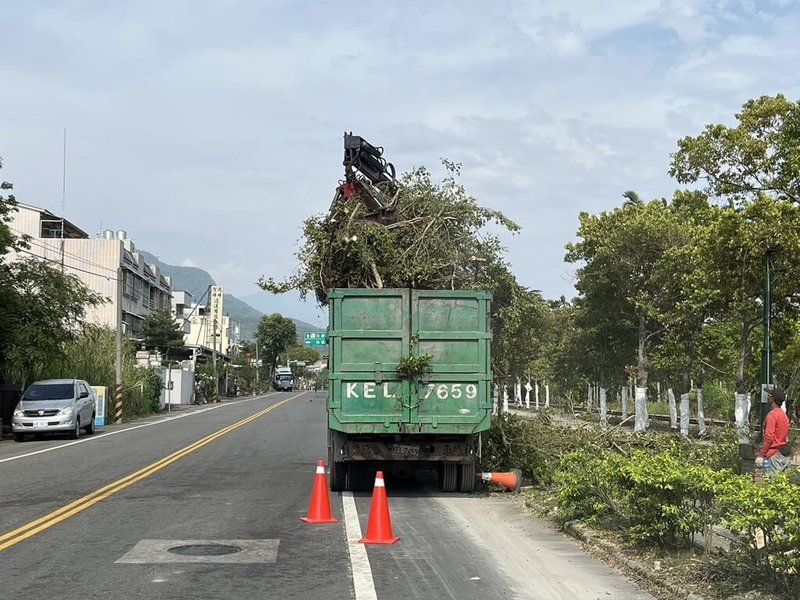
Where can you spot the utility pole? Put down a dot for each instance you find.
(118, 361)
(766, 353)
(63, 197)
(256, 362)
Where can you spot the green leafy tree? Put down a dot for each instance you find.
(90, 355)
(691, 298)
(302, 353)
(8, 204)
(160, 330)
(518, 324)
(275, 334)
(760, 155)
(8, 242)
(741, 238)
(619, 281)
(46, 307)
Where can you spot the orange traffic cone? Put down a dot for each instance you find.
(379, 526)
(319, 509)
(510, 481)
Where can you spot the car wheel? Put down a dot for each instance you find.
(90, 426)
(19, 437)
(76, 433)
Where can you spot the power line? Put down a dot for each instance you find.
(39, 243)
(74, 257)
(50, 260)
(133, 292)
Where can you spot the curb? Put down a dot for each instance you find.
(573, 529)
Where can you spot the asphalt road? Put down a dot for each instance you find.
(101, 518)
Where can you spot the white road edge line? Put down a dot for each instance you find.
(363, 584)
(159, 422)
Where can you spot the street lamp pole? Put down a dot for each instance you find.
(766, 352)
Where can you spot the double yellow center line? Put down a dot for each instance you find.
(65, 512)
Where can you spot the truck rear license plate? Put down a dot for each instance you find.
(405, 450)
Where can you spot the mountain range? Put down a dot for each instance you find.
(196, 281)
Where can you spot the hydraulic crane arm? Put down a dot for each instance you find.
(367, 177)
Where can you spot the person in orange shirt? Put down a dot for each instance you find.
(775, 452)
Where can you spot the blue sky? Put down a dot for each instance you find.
(210, 130)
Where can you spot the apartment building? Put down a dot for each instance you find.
(98, 262)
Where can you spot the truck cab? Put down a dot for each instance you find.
(283, 380)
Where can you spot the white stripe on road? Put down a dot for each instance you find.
(159, 422)
(359, 562)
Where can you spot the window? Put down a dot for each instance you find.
(127, 284)
(49, 391)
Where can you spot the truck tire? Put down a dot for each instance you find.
(466, 478)
(338, 473)
(449, 476)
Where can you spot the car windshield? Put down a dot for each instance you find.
(284, 377)
(49, 391)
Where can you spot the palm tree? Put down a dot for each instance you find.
(632, 199)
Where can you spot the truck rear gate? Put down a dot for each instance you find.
(375, 415)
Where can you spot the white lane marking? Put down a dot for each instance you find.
(359, 562)
(159, 422)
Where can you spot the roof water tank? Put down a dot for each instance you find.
(122, 234)
(108, 234)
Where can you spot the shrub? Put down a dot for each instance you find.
(667, 500)
(768, 518)
(589, 485)
(142, 390)
(718, 400)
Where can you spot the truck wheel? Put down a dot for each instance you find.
(338, 473)
(449, 475)
(466, 478)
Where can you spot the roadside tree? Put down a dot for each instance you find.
(759, 156)
(275, 334)
(619, 281)
(302, 353)
(160, 330)
(45, 308)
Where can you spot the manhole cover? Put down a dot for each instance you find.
(204, 550)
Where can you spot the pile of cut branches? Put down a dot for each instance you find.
(437, 240)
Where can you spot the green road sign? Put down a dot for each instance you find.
(316, 338)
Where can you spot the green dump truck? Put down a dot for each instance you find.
(379, 418)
